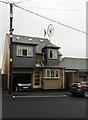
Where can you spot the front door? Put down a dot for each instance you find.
(37, 79)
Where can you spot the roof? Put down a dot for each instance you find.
(39, 42)
(50, 45)
(74, 63)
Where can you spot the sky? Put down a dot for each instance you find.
(69, 12)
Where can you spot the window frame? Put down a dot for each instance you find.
(53, 53)
(21, 48)
(50, 73)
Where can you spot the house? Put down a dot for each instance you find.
(75, 70)
(34, 60)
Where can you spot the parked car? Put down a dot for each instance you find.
(23, 87)
(80, 88)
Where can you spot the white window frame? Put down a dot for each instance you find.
(50, 73)
(54, 54)
(28, 48)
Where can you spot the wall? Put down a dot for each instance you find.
(23, 62)
(4, 82)
(39, 57)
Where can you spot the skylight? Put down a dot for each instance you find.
(30, 39)
(41, 40)
(17, 38)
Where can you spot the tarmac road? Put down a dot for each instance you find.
(44, 107)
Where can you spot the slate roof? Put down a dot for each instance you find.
(50, 45)
(74, 63)
(39, 42)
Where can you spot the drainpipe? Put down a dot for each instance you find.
(73, 76)
(63, 77)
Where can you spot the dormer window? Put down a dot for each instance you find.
(25, 51)
(52, 54)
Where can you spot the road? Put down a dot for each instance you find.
(0, 106)
(44, 107)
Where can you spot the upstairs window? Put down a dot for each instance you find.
(52, 54)
(25, 51)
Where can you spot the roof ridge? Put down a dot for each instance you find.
(28, 36)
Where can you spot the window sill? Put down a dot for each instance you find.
(25, 56)
(51, 78)
(53, 58)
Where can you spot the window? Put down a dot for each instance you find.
(48, 73)
(25, 51)
(56, 73)
(52, 73)
(52, 54)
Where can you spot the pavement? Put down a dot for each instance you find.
(38, 93)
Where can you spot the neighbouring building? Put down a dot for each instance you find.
(34, 60)
(75, 69)
(0, 79)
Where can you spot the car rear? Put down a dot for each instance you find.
(79, 88)
(74, 88)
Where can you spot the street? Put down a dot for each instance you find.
(44, 107)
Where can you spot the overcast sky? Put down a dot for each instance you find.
(68, 12)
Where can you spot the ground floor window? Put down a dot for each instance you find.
(52, 73)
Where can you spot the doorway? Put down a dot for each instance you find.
(37, 79)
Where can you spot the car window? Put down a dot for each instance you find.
(87, 83)
(84, 83)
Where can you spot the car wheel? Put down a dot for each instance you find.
(86, 94)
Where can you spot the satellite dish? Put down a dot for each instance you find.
(50, 30)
